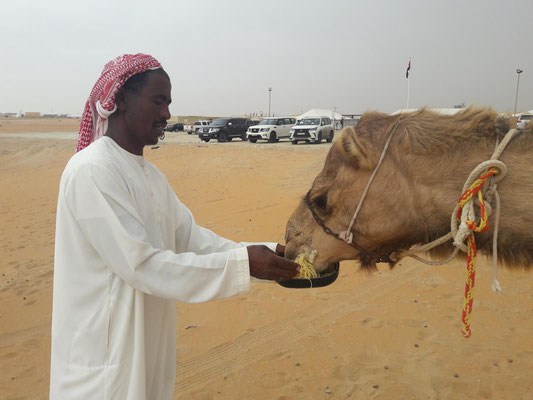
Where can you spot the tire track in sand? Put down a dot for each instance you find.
(279, 336)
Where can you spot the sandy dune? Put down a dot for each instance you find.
(390, 335)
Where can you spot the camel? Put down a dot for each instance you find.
(414, 192)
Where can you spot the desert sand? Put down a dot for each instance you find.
(387, 335)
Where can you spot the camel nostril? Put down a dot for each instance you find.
(290, 251)
(290, 234)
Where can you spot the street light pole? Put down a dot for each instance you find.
(518, 72)
(269, 96)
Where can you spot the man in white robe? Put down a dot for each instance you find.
(127, 248)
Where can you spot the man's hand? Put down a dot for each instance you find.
(280, 250)
(265, 264)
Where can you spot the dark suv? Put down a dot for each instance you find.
(177, 127)
(225, 129)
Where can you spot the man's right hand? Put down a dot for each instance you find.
(265, 264)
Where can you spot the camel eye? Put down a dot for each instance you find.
(321, 201)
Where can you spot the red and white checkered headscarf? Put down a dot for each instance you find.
(101, 102)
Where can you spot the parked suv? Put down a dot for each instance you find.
(523, 120)
(271, 129)
(197, 125)
(177, 127)
(312, 129)
(224, 129)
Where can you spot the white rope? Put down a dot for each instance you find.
(460, 231)
(347, 235)
(495, 283)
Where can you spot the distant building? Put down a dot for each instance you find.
(32, 114)
(9, 115)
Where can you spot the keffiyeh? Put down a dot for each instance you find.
(101, 102)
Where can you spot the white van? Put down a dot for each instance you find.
(271, 129)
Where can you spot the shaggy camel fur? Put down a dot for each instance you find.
(415, 191)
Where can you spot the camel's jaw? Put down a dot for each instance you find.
(322, 258)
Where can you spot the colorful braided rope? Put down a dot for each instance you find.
(467, 196)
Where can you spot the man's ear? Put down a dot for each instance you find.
(120, 100)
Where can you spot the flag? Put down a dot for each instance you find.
(408, 68)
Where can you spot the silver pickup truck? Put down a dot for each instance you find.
(190, 129)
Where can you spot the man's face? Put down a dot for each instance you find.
(146, 112)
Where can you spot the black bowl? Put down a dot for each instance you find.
(326, 278)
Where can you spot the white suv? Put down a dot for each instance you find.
(312, 129)
(271, 129)
(523, 120)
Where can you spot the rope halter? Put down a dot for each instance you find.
(482, 182)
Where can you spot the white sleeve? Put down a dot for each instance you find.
(105, 212)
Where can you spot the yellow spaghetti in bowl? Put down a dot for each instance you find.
(307, 271)
(308, 277)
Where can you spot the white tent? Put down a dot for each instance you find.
(321, 112)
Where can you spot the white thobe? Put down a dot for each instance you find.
(126, 248)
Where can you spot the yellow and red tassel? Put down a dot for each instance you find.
(467, 196)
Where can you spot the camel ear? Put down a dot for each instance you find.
(356, 149)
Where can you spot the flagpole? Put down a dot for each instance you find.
(407, 93)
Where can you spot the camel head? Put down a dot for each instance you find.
(412, 195)
(333, 198)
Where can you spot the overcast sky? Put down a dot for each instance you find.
(222, 56)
